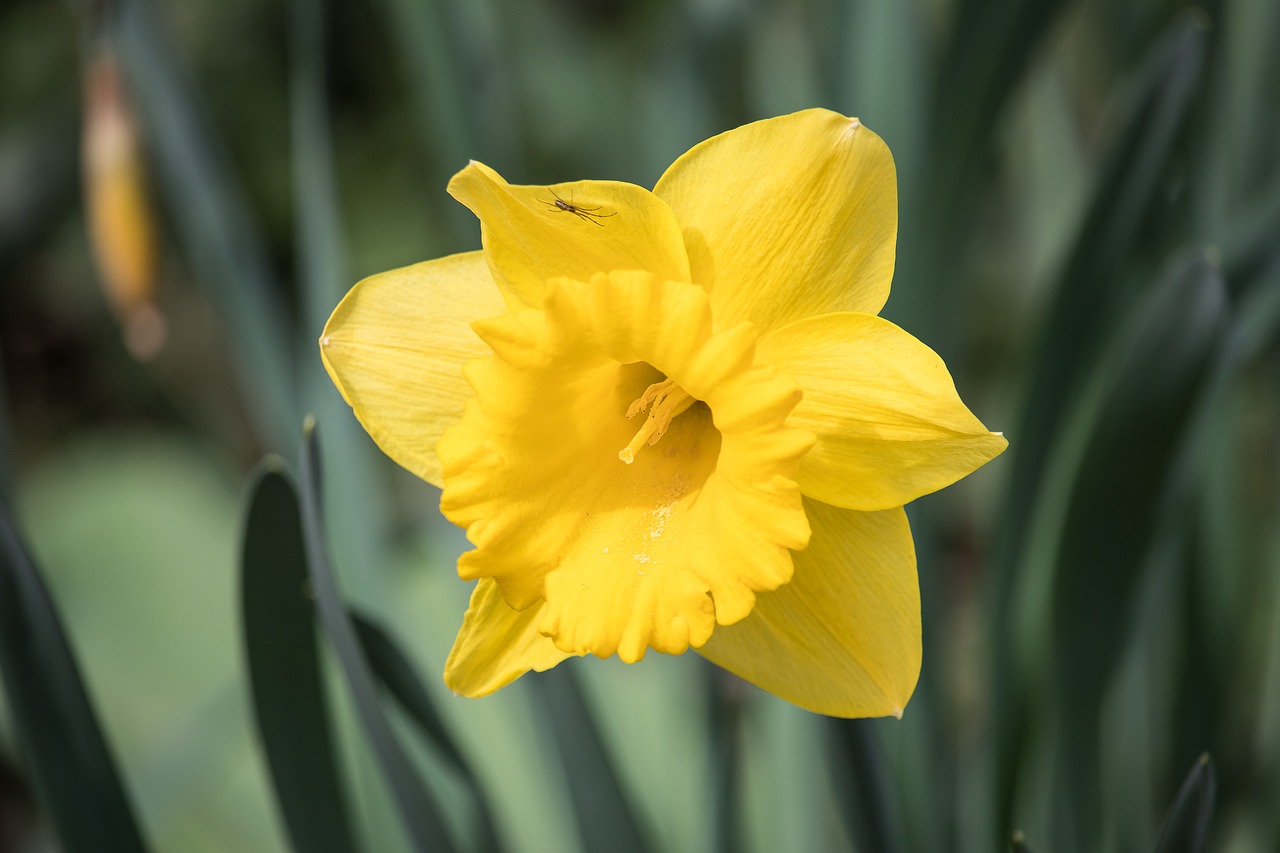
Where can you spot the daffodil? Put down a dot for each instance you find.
(673, 419)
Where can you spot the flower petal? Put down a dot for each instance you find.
(529, 239)
(496, 645)
(843, 638)
(395, 347)
(788, 218)
(889, 423)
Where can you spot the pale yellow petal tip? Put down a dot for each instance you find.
(474, 166)
(472, 170)
(897, 712)
(469, 688)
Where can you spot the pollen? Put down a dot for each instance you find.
(665, 401)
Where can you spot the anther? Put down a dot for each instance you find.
(668, 400)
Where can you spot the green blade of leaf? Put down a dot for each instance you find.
(1258, 320)
(1122, 468)
(1251, 234)
(418, 810)
(1186, 825)
(213, 220)
(990, 45)
(1224, 577)
(863, 786)
(357, 531)
(397, 675)
(422, 41)
(289, 700)
(318, 236)
(606, 819)
(1128, 181)
(5, 430)
(423, 44)
(1237, 184)
(74, 774)
(724, 725)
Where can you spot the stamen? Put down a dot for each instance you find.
(668, 400)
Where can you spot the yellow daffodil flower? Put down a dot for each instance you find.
(672, 419)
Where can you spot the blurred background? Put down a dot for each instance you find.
(1089, 236)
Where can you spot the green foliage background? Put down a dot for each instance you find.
(1089, 235)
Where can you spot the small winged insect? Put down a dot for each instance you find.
(587, 214)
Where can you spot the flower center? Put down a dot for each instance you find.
(625, 557)
(668, 400)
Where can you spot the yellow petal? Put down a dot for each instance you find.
(597, 226)
(497, 645)
(395, 347)
(650, 554)
(788, 218)
(889, 423)
(843, 638)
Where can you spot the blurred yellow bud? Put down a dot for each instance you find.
(120, 220)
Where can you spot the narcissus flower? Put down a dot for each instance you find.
(672, 419)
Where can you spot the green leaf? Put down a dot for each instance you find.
(1237, 187)
(1258, 319)
(876, 67)
(320, 250)
(6, 467)
(1186, 825)
(397, 675)
(724, 727)
(1088, 288)
(419, 812)
(213, 220)
(990, 44)
(357, 530)
(863, 786)
(428, 52)
(1159, 107)
(606, 819)
(1119, 469)
(67, 756)
(289, 699)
